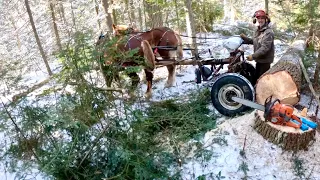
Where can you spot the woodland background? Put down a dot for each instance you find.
(74, 130)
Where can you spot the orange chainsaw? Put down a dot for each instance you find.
(274, 111)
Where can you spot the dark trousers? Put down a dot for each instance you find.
(261, 68)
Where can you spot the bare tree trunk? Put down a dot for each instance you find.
(140, 16)
(177, 15)
(108, 15)
(190, 26)
(316, 72)
(114, 14)
(63, 18)
(266, 6)
(314, 31)
(55, 27)
(16, 33)
(45, 60)
(145, 14)
(73, 17)
(62, 14)
(154, 13)
(226, 11)
(131, 11)
(97, 12)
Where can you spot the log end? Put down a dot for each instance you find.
(280, 85)
(288, 138)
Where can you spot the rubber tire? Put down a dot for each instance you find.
(236, 83)
(198, 76)
(249, 72)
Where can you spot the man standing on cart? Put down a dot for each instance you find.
(263, 43)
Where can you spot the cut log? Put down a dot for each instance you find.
(288, 138)
(283, 80)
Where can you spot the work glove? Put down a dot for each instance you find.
(249, 58)
(243, 36)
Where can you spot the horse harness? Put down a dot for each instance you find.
(139, 38)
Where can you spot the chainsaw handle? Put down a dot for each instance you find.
(292, 124)
(268, 106)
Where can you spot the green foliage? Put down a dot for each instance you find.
(244, 168)
(298, 15)
(299, 169)
(309, 58)
(186, 119)
(88, 134)
(206, 13)
(107, 148)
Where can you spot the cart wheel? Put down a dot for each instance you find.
(225, 87)
(198, 76)
(248, 71)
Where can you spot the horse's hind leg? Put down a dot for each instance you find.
(171, 70)
(105, 72)
(171, 75)
(134, 80)
(149, 77)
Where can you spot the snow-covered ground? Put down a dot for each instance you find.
(264, 160)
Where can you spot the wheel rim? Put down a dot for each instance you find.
(225, 94)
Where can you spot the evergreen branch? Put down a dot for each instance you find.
(94, 144)
(19, 130)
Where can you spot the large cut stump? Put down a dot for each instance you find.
(288, 138)
(283, 80)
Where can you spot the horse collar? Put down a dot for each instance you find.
(162, 37)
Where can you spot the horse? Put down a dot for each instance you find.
(159, 36)
(111, 66)
(130, 39)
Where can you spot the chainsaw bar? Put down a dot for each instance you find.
(249, 103)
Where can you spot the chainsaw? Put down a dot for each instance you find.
(274, 112)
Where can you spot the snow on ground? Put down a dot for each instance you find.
(264, 159)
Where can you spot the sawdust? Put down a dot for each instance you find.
(264, 159)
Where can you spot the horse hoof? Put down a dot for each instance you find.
(167, 85)
(148, 95)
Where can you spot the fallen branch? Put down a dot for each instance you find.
(305, 74)
(16, 97)
(33, 88)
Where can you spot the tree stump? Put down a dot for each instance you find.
(283, 80)
(288, 138)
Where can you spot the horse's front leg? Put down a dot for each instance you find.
(149, 77)
(171, 75)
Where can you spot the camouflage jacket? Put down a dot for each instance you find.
(263, 44)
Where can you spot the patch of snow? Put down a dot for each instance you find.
(264, 159)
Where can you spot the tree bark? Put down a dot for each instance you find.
(97, 12)
(131, 12)
(283, 80)
(16, 32)
(55, 27)
(114, 14)
(44, 57)
(191, 26)
(154, 14)
(109, 22)
(140, 16)
(73, 17)
(288, 138)
(266, 6)
(177, 15)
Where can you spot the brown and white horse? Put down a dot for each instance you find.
(161, 36)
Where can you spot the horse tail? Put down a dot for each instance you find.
(148, 55)
(179, 48)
